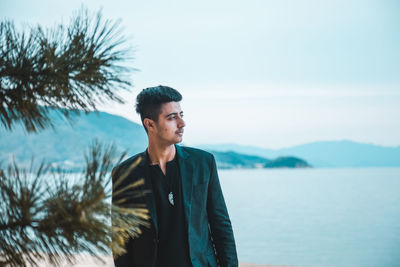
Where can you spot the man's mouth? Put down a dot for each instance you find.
(180, 132)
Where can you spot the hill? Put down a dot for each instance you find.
(65, 145)
(233, 160)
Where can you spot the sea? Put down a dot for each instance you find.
(318, 217)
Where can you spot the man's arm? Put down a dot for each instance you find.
(124, 260)
(220, 224)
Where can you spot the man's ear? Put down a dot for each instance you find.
(149, 124)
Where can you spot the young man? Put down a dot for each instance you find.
(190, 225)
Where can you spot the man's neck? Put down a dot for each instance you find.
(161, 155)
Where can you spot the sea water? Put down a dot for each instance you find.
(315, 217)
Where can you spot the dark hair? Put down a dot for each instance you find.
(149, 101)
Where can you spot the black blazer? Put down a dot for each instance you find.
(210, 236)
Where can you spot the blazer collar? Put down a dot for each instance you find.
(181, 152)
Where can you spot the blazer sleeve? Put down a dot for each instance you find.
(220, 224)
(126, 259)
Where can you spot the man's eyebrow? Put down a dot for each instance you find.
(174, 113)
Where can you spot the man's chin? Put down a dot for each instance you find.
(179, 140)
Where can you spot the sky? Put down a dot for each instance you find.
(267, 73)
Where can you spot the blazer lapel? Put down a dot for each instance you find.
(186, 172)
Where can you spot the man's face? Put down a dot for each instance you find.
(169, 127)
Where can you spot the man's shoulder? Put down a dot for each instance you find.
(131, 162)
(197, 153)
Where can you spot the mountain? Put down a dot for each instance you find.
(65, 144)
(326, 153)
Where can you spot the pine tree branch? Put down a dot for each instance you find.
(75, 67)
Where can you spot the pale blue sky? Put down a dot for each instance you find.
(266, 73)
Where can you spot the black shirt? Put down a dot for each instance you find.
(173, 249)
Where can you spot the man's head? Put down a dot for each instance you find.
(161, 114)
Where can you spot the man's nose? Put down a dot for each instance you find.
(181, 123)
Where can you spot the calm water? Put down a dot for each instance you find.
(315, 217)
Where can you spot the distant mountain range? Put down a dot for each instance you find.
(65, 145)
(325, 154)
